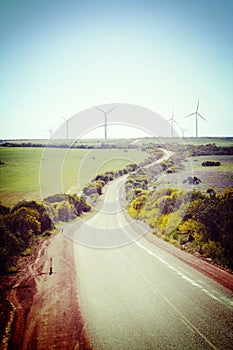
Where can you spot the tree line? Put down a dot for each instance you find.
(120, 145)
(188, 150)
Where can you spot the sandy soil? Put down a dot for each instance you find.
(45, 309)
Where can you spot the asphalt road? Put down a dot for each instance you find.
(135, 295)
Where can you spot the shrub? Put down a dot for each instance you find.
(192, 180)
(211, 163)
(214, 251)
(94, 187)
(59, 197)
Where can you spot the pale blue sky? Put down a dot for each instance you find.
(61, 57)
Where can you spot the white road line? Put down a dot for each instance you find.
(223, 300)
(183, 318)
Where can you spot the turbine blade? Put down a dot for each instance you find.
(99, 109)
(112, 109)
(189, 115)
(197, 105)
(199, 115)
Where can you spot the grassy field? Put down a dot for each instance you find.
(219, 178)
(27, 172)
(219, 141)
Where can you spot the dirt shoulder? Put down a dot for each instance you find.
(45, 309)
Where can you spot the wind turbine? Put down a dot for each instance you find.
(67, 127)
(183, 131)
(196, 115)
(105, 119)
(172, 123)
(50, 132)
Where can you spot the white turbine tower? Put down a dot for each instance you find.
(183, 131)
(196, 116)
(105, 119)
(50, 132)
(172, 123)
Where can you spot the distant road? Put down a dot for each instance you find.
(135, 295)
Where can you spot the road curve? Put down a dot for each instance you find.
(135, 295)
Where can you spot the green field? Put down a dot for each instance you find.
(27, 171)
(219, 178)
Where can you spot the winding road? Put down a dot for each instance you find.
(135, 295)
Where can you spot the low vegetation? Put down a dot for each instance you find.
(194, 221)
(210, 163)
(192, 180)
(198, 222)
(20, 227)
(25, 223)
(65, 207)
(209, 149)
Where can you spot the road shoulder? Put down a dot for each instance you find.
(46, 308)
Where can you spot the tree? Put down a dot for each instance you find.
(25, 222)
(43, 218)
(137, 205)
(194, 230)
(4, 210)
(10, 246)
(65, 211)
(94, 187)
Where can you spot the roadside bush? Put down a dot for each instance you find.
(211, 163)
(65, 211)
(19, 228)
(4, 210)
(68, 209)
(59, 197)
(25, 221)
(44, 219)
(202, 222)
(94, 187)
(106, 177)
(137, 204)
(214, 251)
